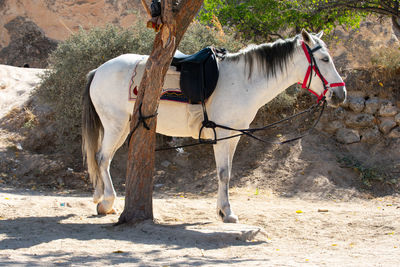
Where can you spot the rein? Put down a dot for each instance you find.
(319, 106)
(309, 53)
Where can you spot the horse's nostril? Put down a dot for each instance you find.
(335, 97)
(338, 97)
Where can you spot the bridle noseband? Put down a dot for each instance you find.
(313, 66)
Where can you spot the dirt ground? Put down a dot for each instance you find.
(39, 228)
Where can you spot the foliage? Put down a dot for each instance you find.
(367, 174)
(382, 7)
(388, 59)
(267, 19)
(390, 8)
(63, 83)
(199, 36)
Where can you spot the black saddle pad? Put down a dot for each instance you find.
(199, 74)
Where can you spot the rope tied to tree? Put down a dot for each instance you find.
(142, 120)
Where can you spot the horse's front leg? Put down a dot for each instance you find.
(223, 152)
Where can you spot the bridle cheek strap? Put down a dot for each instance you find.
(313, 67)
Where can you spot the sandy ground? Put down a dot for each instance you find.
(38, 228)
(16, 85)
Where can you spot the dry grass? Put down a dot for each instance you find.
(380, 78)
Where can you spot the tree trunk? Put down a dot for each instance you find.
(141, 155)
(396, 26)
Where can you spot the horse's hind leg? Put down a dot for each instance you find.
(113, 138)
(223, 152)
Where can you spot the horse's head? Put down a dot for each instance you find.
(321, 77)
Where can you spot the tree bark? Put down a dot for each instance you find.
(141, 155)
(396, 26)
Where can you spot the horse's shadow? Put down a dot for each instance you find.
(28, 232)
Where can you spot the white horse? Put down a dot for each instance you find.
(248, 80)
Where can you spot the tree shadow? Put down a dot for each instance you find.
(28, 232)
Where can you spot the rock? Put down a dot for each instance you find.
(3, 85)
(28, 45)
(347, 136)
(371, 135)
(387, 109)
(360, 120)
(339, 113)
(387, 125)
(356, 104)
(395, 133)
(397, 119)
(182, 159)
(332, 127)
(165, 163)
(371, 105)
(356, 94)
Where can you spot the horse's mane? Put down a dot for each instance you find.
(268, 57)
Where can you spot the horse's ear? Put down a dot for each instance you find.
(319, 35)
(306, 36)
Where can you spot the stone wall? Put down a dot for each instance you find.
(362, 118)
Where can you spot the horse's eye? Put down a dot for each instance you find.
(325, 59)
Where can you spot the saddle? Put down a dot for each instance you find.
(199, 73)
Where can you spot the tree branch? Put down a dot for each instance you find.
(146, 7)
(361, 6)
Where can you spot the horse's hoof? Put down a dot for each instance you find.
(231, 219)
(101, 210)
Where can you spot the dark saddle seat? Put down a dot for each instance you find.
(199, 74)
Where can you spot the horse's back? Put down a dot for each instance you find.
(110, 86)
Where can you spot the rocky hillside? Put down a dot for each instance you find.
(29, 30)
(353, 49)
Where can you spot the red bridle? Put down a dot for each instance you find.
(313, 66)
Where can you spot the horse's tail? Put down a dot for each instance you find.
(92, 133)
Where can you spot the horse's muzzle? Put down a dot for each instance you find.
(338, 96)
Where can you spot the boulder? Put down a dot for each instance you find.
(371, 135)
(332, 127)
(360, 120)
(387, 109)
(29, 46)
(395, 133)
(339, 113)
(347, 136)
(397, 119)
(372, 105)
(356, 104)
(387, 125)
